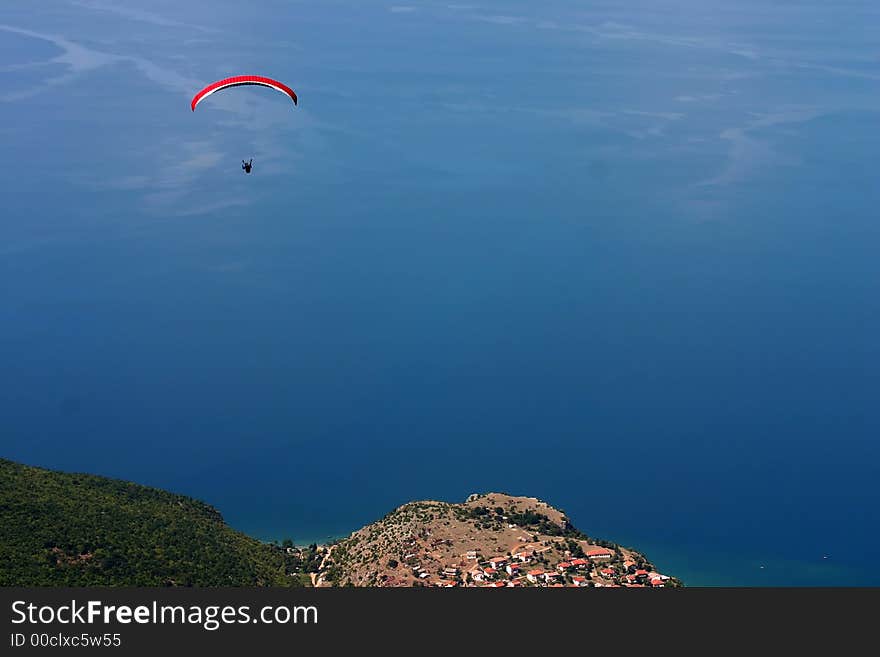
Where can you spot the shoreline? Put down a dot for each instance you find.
(734, 571)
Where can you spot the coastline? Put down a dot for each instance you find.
(699, 567)
(297, 542)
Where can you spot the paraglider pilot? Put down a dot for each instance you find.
(247, 165)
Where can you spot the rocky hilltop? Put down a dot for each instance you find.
(490, 540)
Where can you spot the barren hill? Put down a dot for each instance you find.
(491, 539)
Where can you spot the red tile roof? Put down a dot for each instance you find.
(595, 552)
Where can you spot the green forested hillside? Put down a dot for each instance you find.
(83, 530)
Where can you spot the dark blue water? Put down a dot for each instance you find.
(436, 284)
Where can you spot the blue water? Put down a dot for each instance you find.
(619, 256)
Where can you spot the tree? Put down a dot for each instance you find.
(287, 543)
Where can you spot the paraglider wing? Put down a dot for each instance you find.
(240, 80)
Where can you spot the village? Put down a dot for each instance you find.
(524, 567)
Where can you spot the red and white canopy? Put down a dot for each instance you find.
(240, 80)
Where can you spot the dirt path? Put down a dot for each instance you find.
(316, 577)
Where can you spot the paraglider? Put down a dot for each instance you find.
(239, 81)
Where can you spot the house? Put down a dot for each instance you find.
(579, 563)
(579, 580)
(512, 568)
(498, 562)
(563, 566)
(657, 582)
(551, 577)
(533, 575)
(450, 572)
(471, 554)
(607, 572)
(489, 572)
(600, 553)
